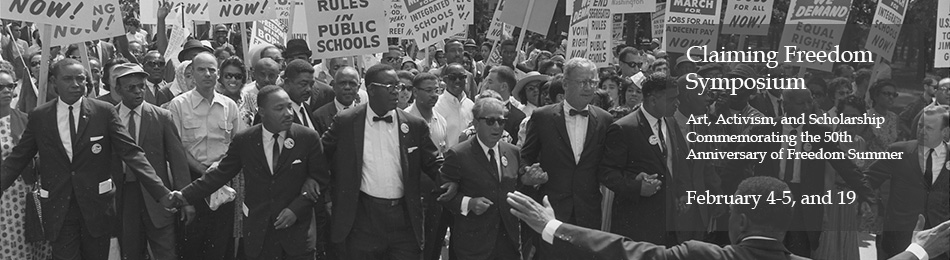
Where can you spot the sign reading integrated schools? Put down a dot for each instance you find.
(691, 23)
(886, 27)
(432, 21)
(815, 25)
(72, 13)
(338, 28)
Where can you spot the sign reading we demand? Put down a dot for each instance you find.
(340, 28)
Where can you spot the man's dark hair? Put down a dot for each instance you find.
(264, 94)
(775, 216)
(374, 72)
(628, 50)
(506, 75)
(405, 74)
(59, 65)
(418, 79)
(237, 63)
(296, 67)
(508, 43)
(555, 86)
(853, 101)
(655, 83)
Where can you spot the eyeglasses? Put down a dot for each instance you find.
(890, 94)
(391, 59)
(944, 89)
(588, 83)
(456, 77)
(391, 87)
(494, 121)
(155, 63)
(10, 86)
(633, 64)
(35, 64)
(436, 90)
(234, 75)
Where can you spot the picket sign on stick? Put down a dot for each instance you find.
(524, 26)
(46, 35)
(290, 20)
(741, 45)
(233, 11)
(73, 13)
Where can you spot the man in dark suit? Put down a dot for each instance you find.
(566, 140)
(755, 231)
(502, 79)
(920, 181)
(143, 218)
(78, 139)
(486, 169)
(376, 181)
(277, 157)
(645, 164)
(345, 84)
(804, 176)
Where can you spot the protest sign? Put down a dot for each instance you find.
(632, 6)
(815, 25)
(942, 41)
(176, 41)
(271, 31)
(339, 28)
(747, 17)
(599, 37)
(436, 20)
(235, 11)
(659, 20)
(397, 19)
(886, 27)
(498, 28)
(691, 23)
(193, 10)
(466, 11)
(72, 13)
(618, 29)
(106, 22)
(541, 13)
(577, 35)
(284, 8)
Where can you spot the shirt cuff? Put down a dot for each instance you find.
(548, 233)
(918, 251)
(465, 200)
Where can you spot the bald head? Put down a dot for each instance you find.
(266, 71)
(204, 69)
(345, 84)
(346, 72)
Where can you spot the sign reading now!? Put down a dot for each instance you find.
(73, 13)
(235, 11)
(106, 22)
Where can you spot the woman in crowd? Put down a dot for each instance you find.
(231, 78)
(405, 97)
(409, 65)
(839, 88)
(551, 68)
(223, 53)
(183, 81)
(15, 242)
(819, 92)
(839, 240)
(883, 94)
(528, 91)
(612, 85)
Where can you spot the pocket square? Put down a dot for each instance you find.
(95, 138)
(298, 161)
(412, 149)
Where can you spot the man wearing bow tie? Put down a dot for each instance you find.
(277, 157)
(566, 140)
(377, 205)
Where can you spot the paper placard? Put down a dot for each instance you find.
(339, 28)
(72, 13)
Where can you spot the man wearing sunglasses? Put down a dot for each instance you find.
(393, 57)
(502, 80)
(454, 105)
(154, 65)
(377, 154)
(631, 60)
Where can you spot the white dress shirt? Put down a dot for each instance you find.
(939, 159)
(303, 116)
(466, 199)
(576, 130)
(268, 144)
(124, 116)
(340, 107)
(436, 128)
(797, 169)
(382, 172)
(62, 117)
(457, 112)
(659, 124)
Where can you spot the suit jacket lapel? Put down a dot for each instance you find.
(285, 151)
(53, 128)
(359, 129)
(258, 152)
(647, 130)
(403, 141)
(84, 115)
(145, 122)
(481, 158)
(561, 126)
(592, 127)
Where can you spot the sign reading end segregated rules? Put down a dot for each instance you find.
(338, 28)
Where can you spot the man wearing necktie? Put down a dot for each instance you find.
(566, 140)
(486, 169)
(502, 79)
(277, 157)
(920, 181)
(298, 81)
(345, 84)
(645, 165)
(78, 139)
(804, 176)
(143, 218)
(376, 154)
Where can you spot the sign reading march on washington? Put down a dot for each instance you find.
(815, 25)
(886, 27)
(691, 23)
(747, 17)
(106, 21)
(338, 28)
(235, 11)
(72, 13)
